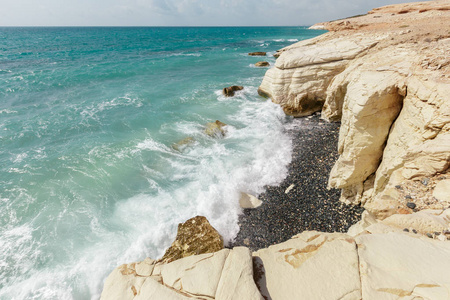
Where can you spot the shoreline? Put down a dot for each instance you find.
(309, 205)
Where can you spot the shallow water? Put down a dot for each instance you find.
(89, 179)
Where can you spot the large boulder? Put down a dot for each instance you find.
(195, 236)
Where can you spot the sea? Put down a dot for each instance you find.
(89, 175)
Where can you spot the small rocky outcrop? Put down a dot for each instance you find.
(215, 129)
(262, 64)
(195, 236)
(230, 91)
(257, 54)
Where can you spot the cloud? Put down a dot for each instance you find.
(180, 12)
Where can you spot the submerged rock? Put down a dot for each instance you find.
(257, 54)
(262, 64)
(195, 236)
(215, 129)
(229, 91)
(181, 145)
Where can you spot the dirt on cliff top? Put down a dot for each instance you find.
(420, 24)
(408, 22)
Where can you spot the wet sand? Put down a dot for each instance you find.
(308, 205)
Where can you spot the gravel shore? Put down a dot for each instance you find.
(308, 205)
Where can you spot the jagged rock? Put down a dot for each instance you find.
(262, 64)
(195, 236)
(230, 91)
(249, 201)
(301, 268)
(215, 129)
(183, 144)
(257, 53)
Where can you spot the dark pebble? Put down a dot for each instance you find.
(425, 181)
(408, 197)
(398, 187)
(308, 206)
(437, 233)
(406, 230)
(429, 235)
(411, 205)
(415, 231)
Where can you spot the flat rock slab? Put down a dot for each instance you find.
(399, 266)
(311, 265)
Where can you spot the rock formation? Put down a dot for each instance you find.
(386, 77)
(195, 236)
(229, 91)
(257, 53)
(215, 129)
(401, 257)
(262, 64)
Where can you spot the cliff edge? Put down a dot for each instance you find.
(386, 77)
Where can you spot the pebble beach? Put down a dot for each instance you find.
(302, 201)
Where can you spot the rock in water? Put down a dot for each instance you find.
(257, 54)
(215, 129)
(195, 236)
(262, 64)
(181, 145)
(249, 201)
(229, 91)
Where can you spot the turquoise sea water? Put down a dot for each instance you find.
(88, 177)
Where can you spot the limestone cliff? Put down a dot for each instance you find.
(386, 77)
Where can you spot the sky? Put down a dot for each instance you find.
(180, 12)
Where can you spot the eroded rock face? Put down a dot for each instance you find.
(299, 80)
(386, 77)
(195, 236)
